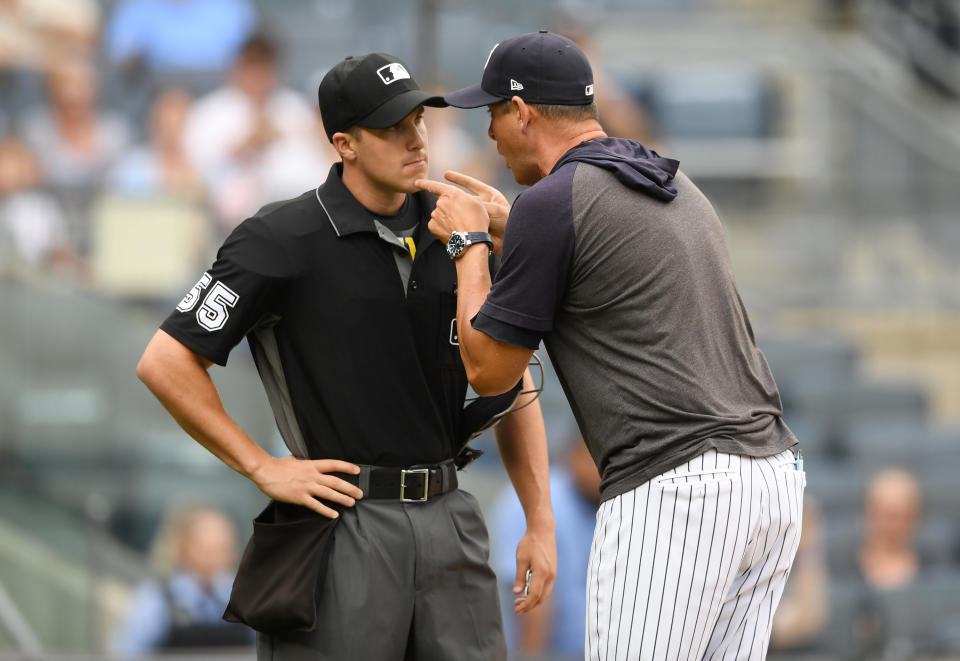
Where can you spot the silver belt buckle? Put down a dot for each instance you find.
(403, 484)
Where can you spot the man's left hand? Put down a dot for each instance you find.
(537, 551)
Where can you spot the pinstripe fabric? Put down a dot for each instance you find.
(692, 564)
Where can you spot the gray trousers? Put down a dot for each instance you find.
(405, 581)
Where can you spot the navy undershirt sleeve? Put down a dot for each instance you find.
(538, 248)
(504, 332)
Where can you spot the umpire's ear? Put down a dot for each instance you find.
(345, 144)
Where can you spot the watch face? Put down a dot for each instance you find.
(456, 244)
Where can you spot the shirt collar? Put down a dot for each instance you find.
(347, 216)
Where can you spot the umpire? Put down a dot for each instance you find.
(348, 303)
(619, 263)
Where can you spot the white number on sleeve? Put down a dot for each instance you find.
(190, 300)
(214, 312)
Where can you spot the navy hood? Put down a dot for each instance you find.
(633, 164)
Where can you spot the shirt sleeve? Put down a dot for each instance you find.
(538, 248)
(124, 33)
(505, 332)
(146, 623)
(229, 299)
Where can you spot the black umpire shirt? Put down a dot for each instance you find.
(355, 366)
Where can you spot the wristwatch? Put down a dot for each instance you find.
(459, 241)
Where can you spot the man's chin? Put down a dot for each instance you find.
(408, 186)
(411, 176)
(516, 175)
(525, 177)
(519, 175)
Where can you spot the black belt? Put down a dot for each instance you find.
(415, 484)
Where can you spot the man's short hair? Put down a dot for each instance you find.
(557, 112)
(259, 47)
(568, 113)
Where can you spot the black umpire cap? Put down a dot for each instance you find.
(539, 67)
(374, 91)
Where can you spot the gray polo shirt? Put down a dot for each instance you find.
(619, 264)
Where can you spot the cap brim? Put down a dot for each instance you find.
(471, 97)
(394, 110)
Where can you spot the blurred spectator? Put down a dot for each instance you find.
(888, 556)
(195, 557)
(296, 164)
(35, 34)
(802, 613)
(160, 167)
(73, 138)
(889, 562)
(75, 142)
(556, 627)
(32, 226)
(150, 229)
(252, 140)
(178, 35)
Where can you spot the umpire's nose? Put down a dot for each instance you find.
(415, 132)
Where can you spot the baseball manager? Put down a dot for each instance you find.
(618, 262)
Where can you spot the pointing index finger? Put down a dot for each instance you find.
(468, 182)
(435, 187)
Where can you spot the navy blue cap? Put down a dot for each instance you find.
(539, 67)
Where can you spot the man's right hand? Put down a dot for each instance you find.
(305, 481)
(493, 200)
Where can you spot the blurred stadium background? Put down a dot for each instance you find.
(826, 132)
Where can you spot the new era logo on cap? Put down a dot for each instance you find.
(392, 73)
(588, 91)
(514, 85)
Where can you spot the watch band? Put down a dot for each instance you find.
(479, 237)
(460, 241)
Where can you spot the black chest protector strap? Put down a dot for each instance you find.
(478, 416)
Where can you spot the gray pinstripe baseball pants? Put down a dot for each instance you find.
(692, 564)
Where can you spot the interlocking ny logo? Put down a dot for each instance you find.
(489, 55)
(514, 85)
(392, 73)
